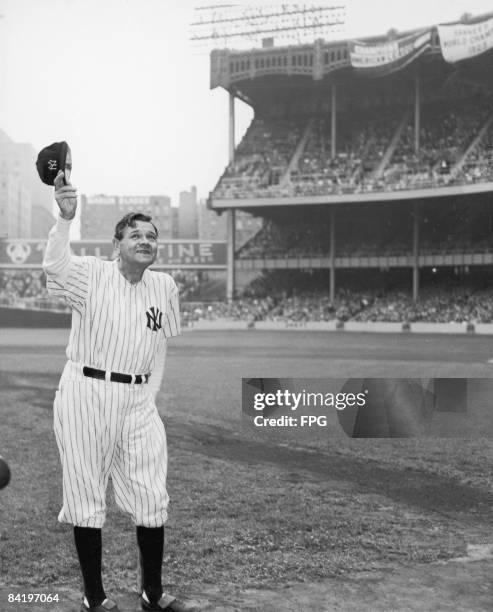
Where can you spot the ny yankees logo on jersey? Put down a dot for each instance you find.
(154, 318)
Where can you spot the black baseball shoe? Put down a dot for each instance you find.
(167, 603)
(107, 606)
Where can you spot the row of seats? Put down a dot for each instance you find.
(375, 151)
(363, 231)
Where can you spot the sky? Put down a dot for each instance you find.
(120, 81)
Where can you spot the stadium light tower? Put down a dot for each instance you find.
(241, 26)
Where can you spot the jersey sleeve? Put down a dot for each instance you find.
(172, 325)
(67, 275)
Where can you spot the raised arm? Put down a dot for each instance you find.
(67, 275)
(56, 261)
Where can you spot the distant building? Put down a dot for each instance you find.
(174, 222)
(188, 215)
(35, 198)
(42, 220)
(15, 206)
(212, 226)
(100, 213)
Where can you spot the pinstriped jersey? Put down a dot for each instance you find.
(116, 325)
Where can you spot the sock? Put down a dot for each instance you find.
(151, 546)
(88, 544)
(86, 602)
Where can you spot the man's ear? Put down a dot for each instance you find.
(116, 247)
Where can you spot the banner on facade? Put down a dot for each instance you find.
(176, 253)
(461, 41)
(384, 57)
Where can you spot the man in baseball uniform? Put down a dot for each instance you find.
(105, 417)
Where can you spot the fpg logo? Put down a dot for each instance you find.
(311, 420)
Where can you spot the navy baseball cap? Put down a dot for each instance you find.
(53, 158)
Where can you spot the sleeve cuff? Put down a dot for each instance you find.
(63, 224)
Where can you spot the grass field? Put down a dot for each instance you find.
(265, 520)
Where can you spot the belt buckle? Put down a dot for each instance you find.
(107, 376)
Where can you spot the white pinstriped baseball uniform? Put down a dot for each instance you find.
(108, 428)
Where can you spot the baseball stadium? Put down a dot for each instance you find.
(368, 166)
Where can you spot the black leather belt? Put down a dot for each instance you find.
(138, 379)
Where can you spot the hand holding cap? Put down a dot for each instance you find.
(65, 196)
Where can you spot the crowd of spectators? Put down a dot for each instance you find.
(30, 284)
(298, 297)
(243, 309)
(27, 289)
(24, 284)
(291, 238)
(478, 165)
(261, 159)
(383, 230)
(434, 306)
(375, 151)
(361, 144)
(317, 306)
(196, 285)
(445, 133)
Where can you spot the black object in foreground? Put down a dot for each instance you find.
(53, 158)
(4, 473)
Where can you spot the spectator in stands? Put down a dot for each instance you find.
(375, 152)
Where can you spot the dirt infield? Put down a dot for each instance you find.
(263, 521)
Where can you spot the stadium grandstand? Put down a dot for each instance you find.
(370, 163)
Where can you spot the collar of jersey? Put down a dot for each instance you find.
(127, 282)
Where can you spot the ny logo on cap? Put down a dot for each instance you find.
(154, 318)
(52, 164)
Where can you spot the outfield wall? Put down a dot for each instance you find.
(350, 326)
(19, 317)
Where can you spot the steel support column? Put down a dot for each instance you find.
(417, 113)
(333, 122)
(230, 220)
(416, 251)
(332, 287)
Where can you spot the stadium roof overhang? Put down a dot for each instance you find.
(254, 75)
(434, 74)
(259, 204)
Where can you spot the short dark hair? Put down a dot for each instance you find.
(130, 220)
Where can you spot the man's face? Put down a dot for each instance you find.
(138, 245)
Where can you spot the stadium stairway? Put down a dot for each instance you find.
(300, 147)
(357, 170)
(475, 142)
(392, 146)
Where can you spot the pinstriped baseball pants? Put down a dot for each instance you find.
(108, 429)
